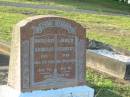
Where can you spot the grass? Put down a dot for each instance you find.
(112, 6)
(106, 86)
(113, 30)
(7, 21)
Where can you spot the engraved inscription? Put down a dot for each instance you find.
(53, 23)
(54, 57)
(50, 54)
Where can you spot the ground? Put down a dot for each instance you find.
(110, 29)
(112, 6)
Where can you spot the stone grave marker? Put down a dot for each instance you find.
(48, 52)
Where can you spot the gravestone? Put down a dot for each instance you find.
(48, 52)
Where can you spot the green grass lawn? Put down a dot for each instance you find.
(114, 30)
(112, 6)
(7, 21)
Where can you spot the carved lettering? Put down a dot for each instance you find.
(53, 23)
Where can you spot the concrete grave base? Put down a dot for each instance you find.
(79, 91)
(112, 63)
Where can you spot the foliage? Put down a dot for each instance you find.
(106, 86)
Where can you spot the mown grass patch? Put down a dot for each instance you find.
(7, 21)
(114, 30)
(112, 6)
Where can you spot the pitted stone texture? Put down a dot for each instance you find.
(47, 52)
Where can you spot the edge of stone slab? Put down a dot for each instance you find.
(78, 91)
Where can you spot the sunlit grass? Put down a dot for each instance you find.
(7, 21)
(114, 30)
(112, 6)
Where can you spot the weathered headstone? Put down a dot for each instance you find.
(47, 52)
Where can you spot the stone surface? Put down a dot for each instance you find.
(80, 91)
(109, 62)
(47, 52)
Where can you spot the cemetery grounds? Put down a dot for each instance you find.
(110, 29)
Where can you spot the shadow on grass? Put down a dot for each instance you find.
(97, 5)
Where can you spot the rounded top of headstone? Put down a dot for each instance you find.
(45, 21)
(41, 17)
